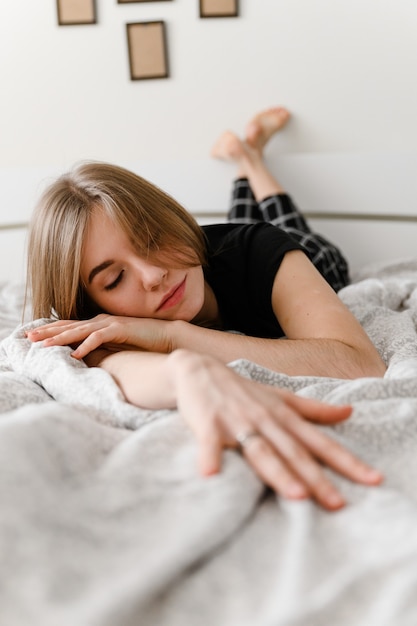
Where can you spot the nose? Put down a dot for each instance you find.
(151, 276)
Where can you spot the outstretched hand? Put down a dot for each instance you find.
(271, 428)
(105, 330)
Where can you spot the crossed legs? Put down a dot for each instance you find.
(258, 196)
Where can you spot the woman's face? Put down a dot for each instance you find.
(122, 283)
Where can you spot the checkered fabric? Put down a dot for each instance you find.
(280, 210)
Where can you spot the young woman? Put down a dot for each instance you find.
(144, 292)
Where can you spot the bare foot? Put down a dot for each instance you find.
(228, 147)
(249, 162)
(264, 125)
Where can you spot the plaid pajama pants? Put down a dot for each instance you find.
(280, 210)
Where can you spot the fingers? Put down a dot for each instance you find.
(91, 334)
(57, 333)
(288, 468)
(289, 454)
(60, 326)
(281, 462)
(335, 455)
(259, 454)
(316, 411)
(88, 335)
(91, 343)
(272, 470)
(285, 451)
(320, 445)
(48, 330)
(51, 328)
(210, 451)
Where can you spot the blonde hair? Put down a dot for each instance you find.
(155, 223)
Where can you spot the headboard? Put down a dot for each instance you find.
(366, 203)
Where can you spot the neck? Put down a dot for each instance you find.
(209, 315)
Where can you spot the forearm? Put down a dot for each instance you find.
(161, 381)
(295, 357)
(330, 343)
(145, 379)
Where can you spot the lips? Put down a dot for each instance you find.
(173, 297)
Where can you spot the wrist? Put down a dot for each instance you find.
(182, 361)
(198, 340)
(182, 364)
(182, 335)
(176, 332)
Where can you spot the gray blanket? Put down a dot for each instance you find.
(104, 520)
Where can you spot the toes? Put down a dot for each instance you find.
(264, 125)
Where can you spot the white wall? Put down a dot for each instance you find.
(347, 69)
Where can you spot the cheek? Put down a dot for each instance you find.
(196, 295)
(111, 302)
(126, 306)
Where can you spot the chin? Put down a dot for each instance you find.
(186, 318)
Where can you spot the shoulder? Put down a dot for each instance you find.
(261, 237)
(242, 263)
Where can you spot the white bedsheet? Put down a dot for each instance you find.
(104, 520)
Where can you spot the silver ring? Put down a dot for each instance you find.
(243, 438)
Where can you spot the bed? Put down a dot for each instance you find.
(104, 520)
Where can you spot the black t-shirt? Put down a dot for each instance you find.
(243, 260)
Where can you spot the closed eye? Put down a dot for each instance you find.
(115, 282)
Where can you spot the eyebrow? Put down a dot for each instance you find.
(99, 268)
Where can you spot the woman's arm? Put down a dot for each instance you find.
(287, 452)
(323, 338)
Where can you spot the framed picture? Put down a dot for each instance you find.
(71, 12)
(219, 8)
(148, 57)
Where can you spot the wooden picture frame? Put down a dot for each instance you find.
(219, 8)
(74, 12)
(147, 46)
